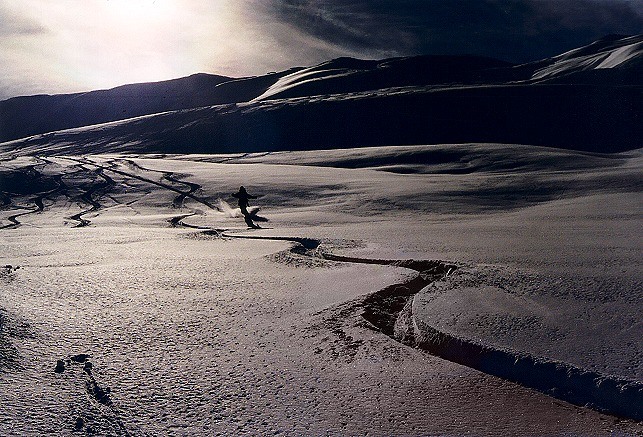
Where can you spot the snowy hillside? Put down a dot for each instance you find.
(609, 53)
(348, 102)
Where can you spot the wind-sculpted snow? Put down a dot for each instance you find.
(193, 324)
(605, 54)
(439, 159)
(346, 75)
(395, 312)
(478, 317)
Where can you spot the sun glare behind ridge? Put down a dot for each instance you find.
(139, 12)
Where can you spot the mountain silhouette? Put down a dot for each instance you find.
(586, 99)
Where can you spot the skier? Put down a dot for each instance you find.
(243, 197)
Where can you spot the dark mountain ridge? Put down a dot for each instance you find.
(586, 99)
(347, 75)
(24, 116)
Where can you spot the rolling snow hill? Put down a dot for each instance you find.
(587, 99)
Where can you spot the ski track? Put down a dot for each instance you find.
(178, 201)
(89, 190)
(143, 179)
(38, 201)
(88, 197)
(169, 176)
(388, 311)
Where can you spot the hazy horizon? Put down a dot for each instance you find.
(50, 48)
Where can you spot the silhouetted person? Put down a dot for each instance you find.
(243, 197)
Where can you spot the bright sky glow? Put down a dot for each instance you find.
(59, 46)
(77, 45)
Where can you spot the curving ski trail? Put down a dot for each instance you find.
(390, 311)
(88, 197)
(38, 201)
(188, 193)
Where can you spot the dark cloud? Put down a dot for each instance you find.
(515, 30)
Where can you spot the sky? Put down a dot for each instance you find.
(63, 46)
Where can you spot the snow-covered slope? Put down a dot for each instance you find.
(24, 116)
(201, 327)
(576, 100)
(590, 117)
(614, 52)
(347, 75)
(134, 301)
